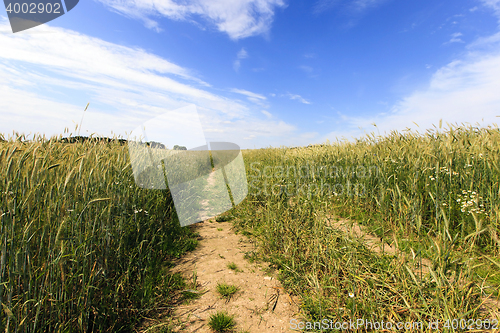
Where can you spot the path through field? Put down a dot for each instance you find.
(260, 305)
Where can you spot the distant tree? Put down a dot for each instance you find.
(154, 144)
(176, 147)
(81, 139)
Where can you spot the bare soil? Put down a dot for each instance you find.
(260, 305)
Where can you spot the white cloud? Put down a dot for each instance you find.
(267, 114)
(248, 93)
(364, 4)
(237, 18)
(455, 38)
(488, 43)
(298, 98)
(263, 133)
(213, 130)
(48, 78)
(493, 4)
(324, 5)
(80, 57)
(464, 91)
(354, 6)
(252, 97)
(242, 54)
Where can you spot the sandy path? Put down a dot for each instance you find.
(252, 305)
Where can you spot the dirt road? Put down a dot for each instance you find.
(260, 305)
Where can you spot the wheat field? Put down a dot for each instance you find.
(434, 196)
(83, 249)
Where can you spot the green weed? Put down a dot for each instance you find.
(221, 322)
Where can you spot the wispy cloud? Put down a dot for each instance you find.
(248, 94)
(493, 4)
(266, 113)
(487, 43)
(238, 18)
(364, 4)
(242, 54)
(48, 78)
(455, 38)
(354, 6)
(252, 97)
(323, 5)
(464, 91)
(311, 73)
(298, 98)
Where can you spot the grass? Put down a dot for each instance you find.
(221, 322)
(189, 295)
(192, 294)
(161, 328)
(232, 266)
(82, 247)
(251, 256)
(224, 218)
(226, 290)
(435, 195)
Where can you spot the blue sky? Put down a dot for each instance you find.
(260, 72)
